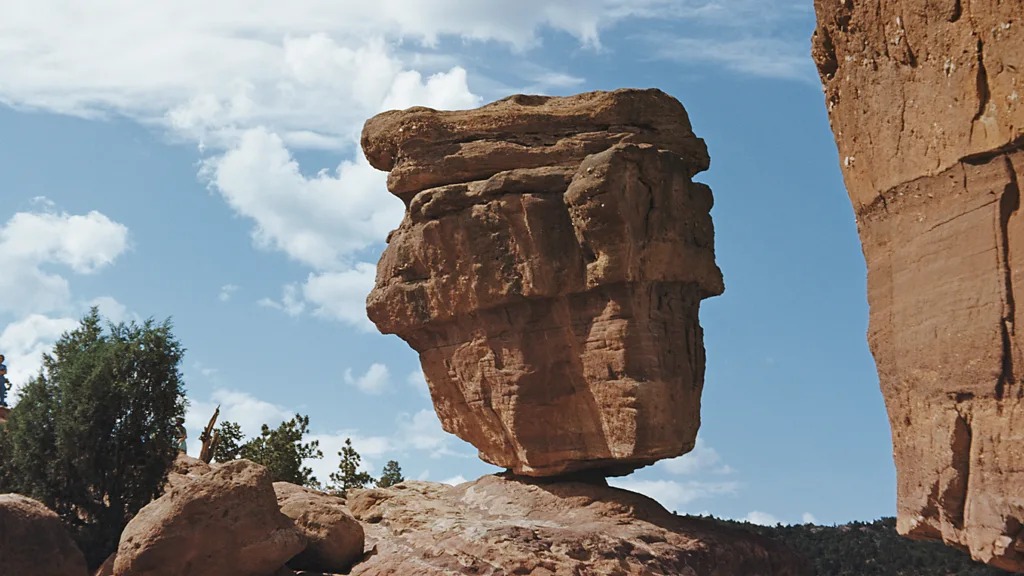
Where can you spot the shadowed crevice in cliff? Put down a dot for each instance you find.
(955, 496)
(1009, 204)
(984, 93)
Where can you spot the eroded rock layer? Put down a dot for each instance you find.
(500, 525)
(925, 101)
(549, 271)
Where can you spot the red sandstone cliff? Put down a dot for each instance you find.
(925, 101)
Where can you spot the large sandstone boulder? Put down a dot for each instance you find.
(33, 541)
(926, 100)
(223, 522)
(502, 525)
(185, 469)
(549, 271)
(334, 540)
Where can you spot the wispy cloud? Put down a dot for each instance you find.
(764, 57)
(226, 292)
(701, 460)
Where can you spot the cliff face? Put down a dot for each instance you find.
(925, 101)
(549, 271)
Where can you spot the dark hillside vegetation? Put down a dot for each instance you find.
(871, 549)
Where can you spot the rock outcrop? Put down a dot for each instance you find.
(334, 540)
(223, 522)
(926, 101)
(502, 525)
(549, 271)
(184, 470)
(33, 541)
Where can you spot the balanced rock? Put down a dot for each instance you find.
(334, 540)
(224, 522)
(33, 541)
(549, 271)
(502, 525)
(926, 101)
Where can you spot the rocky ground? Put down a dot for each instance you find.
(230, 519)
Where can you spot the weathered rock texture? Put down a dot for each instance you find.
(549, 271)
(223, 522)
(498, 525)
(33, 541)
(334, 540)
(925, 100)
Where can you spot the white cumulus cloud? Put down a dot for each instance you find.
(375, 380)
(24, 342)
(672, 494)
(762, 518)
(32, 242)
(455, 480)
(247, 410)
(342, 295)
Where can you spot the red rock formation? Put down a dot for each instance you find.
(33, 540)
(925, 100)
(225, 521)
(498, 525)
(549, 271)
(334, 540)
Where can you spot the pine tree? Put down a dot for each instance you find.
(392, 475)
(282, 451)
(348, 475)
(229, 437)
(93, 435)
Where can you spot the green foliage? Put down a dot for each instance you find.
(392, 475)
(282, 451)
(93, 435)
(871, 549)
(348, 475)
(229, 438)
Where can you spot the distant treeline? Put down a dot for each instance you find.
(871, 549)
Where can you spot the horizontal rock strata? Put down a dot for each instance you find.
(924, 98)
(549, 271)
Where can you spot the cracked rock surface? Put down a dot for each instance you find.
(549, 271)
(925, 101)
(501, 525)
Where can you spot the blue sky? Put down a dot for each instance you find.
(201, 162)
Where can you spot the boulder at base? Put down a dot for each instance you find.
(334, 538)
(223, 522)
(504, 525)
(33, 541)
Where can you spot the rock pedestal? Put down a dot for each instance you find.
(549, 271)
(502, 525)
(926, 100)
